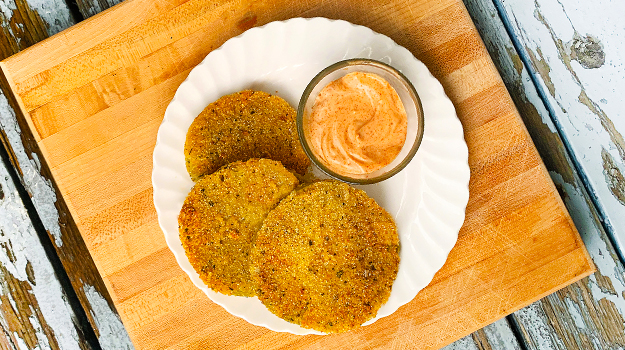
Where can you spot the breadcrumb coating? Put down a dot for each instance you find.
(326, 257)
(221, 216)
(240, 126)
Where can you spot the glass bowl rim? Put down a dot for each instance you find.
(349, 63)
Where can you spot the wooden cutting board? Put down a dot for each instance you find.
(94, 96)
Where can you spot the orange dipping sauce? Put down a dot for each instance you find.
(357, 124)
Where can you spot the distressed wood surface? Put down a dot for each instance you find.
(589, 313)
(34, 311)
(534, 320)
(511, 191)
(89, 8)
(576, 50)
(496, 336)
(23, 24)
(18, 329)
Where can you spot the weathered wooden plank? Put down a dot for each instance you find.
(34, 311)
(25, 23)
(588, 314)
(500, 336)
(439, 73)
(70, 247)
(575, 50)
(496, 336)
(89, 8)
(477, 335)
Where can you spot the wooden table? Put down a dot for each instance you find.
(53, 297)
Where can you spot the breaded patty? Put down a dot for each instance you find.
(326, 257)
(240, 126)
(221, 216)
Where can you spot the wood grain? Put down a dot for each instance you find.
(34, 312)
(89, 8)
(572, 50)
(21, 27)
(68, 242)
(589, 313)
(513, 203)
(496, 336)
(25, 23)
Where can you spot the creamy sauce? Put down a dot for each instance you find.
(357, 124)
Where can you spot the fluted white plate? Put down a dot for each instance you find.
(427, 199)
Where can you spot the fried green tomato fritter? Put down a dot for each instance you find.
(326, 257)
(221, 216)
(240, 126)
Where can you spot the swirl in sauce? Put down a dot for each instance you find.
(357, 124)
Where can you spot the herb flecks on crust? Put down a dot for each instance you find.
(326, 257)
(240, 126)
(221, 216)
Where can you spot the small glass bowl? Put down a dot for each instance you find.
(407, 94)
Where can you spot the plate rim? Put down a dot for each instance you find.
(168, 119)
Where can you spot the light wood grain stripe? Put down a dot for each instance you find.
(453, 54)
(118, 219)
(164, 298)
(497, 271)
(167, 65)
(462, 84)
(438, 28)
(495, 237)
(115, 187)
(111, 124)
(484, 106)
(497, 153)
(225, 331)
(144, 274)
(119, 252)
(490, 278)
(64, 45)
(504, 198)
(121, 50)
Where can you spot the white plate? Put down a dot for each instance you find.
(427, 199)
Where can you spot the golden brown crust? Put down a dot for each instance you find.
(221, 216)
(240, 126)
(326, 257)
